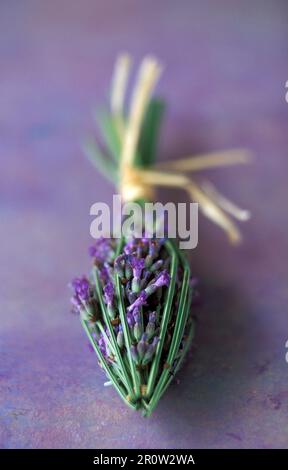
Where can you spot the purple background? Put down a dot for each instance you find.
(225, 73)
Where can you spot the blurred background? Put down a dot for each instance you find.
(224, 81)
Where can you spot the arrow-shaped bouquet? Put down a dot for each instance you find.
(136, 305)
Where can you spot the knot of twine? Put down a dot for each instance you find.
(133, 186)
(140, 183)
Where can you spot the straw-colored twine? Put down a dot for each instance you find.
(138, 183)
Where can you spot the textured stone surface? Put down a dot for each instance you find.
(225, 77)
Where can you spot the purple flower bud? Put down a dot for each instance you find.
(142, 346)
(139, 251)
(150, 351)
(163, 279)
(104, 274)
(102, 250)
(82, 293)
(128, 270)
(150, 328)
(141, 300)
(129, 248)
(132, 296)
(120, 337)
(119, 265)
(150, 289)
(152, 252)
(138, 330)
(145, 278)
(152, 316)
(109, 293)
(157, 265)
(103, 347)
(135, 285)
(81, 287)
(134, 353)
(109, 298)
(130, 320)
(136, 314)
(153, 248)
(137, 266)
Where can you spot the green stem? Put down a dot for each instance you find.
(126, 330)
(109, 373)
(127, 338)
(183, 355)
(111, 347)
(182, 315)
(112, 335)
(165, 319)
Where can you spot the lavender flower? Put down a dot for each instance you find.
(129, 247)
(138, 330)
(104, 273)
(162, 280)
(81, 288)
(109, 297)
(130, 320)
(102, 250)
(142, 346)
(128, 269)
(154, 247)
(150, 328)
(137, 267)
(145, 279)
(150, 351)
(83, 301)
(109, 293)
(119, 265)
(134, 353)
(132, 296)
(139, 302)
(156, 266)
(120, 337)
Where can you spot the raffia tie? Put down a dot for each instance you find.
(137, 183)
(133, 186)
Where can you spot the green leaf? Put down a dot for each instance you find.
(150, 133)
(107, 126)
(103, 163)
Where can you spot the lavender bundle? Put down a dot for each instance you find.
(136, 305)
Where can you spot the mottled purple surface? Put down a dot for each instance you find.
(226, 68)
